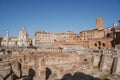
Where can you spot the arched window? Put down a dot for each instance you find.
(95, 45)
(99, 43)
(103, 44)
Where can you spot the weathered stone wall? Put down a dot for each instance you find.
(54, 65)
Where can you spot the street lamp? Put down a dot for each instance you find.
(119, 22)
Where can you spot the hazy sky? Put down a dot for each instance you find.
(56, 15)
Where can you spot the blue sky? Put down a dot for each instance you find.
(56, 15)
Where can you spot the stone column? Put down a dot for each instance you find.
(7, 38)
(43, 70)
(103, 62)
(115, 68)
(118, 66)
(17, 68)
(95, 60)
(40, 69)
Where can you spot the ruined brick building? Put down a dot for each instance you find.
(49, 60)
(41, 65)
(98, 38)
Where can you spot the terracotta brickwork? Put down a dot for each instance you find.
(99, 23)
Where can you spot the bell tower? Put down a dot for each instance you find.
(22, 37)
(7, 38)
(99, 23)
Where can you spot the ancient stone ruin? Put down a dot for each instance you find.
(31, 64)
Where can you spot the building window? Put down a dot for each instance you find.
(99, 43)
(103, 44)
(95, 45)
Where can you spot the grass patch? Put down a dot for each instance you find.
(103, 77)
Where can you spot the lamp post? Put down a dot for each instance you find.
(119, 22)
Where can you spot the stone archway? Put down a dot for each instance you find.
(48, 73)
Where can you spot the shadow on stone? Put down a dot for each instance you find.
(31, 74)
(48, 73)
(101, 61)
(78, 76)
(0, 59)
(67, 76)
(13, 76)
(20, 68)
